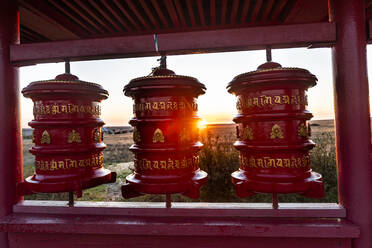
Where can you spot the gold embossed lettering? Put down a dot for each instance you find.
(155, 164)
(162, 105)
(285, 99)
(53, 165)
(147, 106)
(279, 162)
(260, 163)
(169, 106)
(163, 164)
(287, 162)
(170, 164)
(277, 100)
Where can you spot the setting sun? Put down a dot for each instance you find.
(202, 124)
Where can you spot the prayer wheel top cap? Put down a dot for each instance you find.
(272, 74)
(65, 85)
(164, 79)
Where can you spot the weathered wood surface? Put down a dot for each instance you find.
(303, 210)
(179, 226)
(37, 240)
(281, 36)
(186, 224)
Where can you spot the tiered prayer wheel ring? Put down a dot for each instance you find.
(273, 132)
(67, 135)
(165, 135)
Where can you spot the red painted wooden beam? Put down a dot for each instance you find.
(191, 12)
(38, 13)
(105, 15)
(234, 11)
(187, 210)
(45, 26)
(137, 14)
(212, 6)
(126, 14)
(369, 13)
(160, 13)
(201, 12)
(370, 31)
(352, 116)
(172, 12)
(278, 9)
(244, 11)
(32, 240)
(173, 226)
(149, 14)
(93, 16)
(223, 12)
(180, 12)
(80, 15)
(256, 10)
(295, 10)
(268, 7)
(301, 35)
(10, 126)
(60, 18)
(115, 14)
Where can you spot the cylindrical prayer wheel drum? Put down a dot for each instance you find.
(67, 136)
(165, 135)
(273, 132)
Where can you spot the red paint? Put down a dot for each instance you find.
(174, 226)
(273, 132)
(352, 116)
(165, 135)
(28, 240)
(67, 135)
(184, 209)
(10, 128)
(224, 40)
(352, 136)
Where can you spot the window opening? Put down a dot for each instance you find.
(217, 108)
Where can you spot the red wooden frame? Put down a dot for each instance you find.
(104, 224)
(299, 35)
(199, 224)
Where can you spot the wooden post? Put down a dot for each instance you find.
(352, 116)
(10, 129)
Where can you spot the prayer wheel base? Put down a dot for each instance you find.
(137, 186)
(310, 187)
(69, 184)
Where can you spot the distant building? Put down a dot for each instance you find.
(117, 129)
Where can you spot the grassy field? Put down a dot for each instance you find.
(218, 157)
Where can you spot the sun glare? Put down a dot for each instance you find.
(202, 124)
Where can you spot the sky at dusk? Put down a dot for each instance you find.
(215, 71)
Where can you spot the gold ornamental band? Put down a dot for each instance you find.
(170, 164)
(270, 162)
(170, 106)
(66, 164)
(265, 100)
(55, 109)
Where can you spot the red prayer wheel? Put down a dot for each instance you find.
(165, 135)
(273, 132)
(67, 135)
